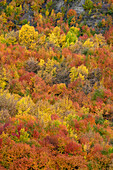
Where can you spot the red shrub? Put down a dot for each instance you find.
(73, 148)
(71, 13)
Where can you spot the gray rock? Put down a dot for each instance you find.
(79, 10)
(59, 5)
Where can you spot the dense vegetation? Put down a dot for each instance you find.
(56, 85)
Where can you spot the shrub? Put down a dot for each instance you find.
(98, 94)
(12, 37)
(3, 78)
(31, 65)
(57, 38)
(109, 35)
(9, 10)
(71, 36)
(8, 104)
(62, 74)
(88, 5)
(4, 115)
(28, 36)
(71, 13)
(80, 72)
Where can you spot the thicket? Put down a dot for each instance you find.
(56, 89)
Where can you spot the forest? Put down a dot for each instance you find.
(56, 84)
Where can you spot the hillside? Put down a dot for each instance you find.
(56, 84)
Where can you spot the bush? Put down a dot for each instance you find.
(28, 36)
(109, 36)
(71, 13)
(12, 37)
(71, 36)
(31, 65)
(88, 5)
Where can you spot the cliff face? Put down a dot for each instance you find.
(75, 4)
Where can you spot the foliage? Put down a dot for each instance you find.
(31, 65)
(88, 4)
(80, 72)
(57, 38)
(109, 35)
(56, 85)
(71, 12)
(71, 36)
(28, 36)
(12, 37)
